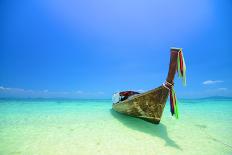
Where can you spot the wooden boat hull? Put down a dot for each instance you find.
(148, 106)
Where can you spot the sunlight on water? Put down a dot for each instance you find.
(86, 127)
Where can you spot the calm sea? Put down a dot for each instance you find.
(90, 127)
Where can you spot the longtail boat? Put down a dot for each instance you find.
(149, 105)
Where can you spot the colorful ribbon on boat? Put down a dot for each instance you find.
(173, 99)
(181, 67)
(174, 104)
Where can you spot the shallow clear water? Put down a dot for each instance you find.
(84, 127)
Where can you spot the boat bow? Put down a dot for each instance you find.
(150, 105)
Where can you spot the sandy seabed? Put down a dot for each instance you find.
(90, 127)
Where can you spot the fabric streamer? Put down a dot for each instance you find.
(174, 103)
(181, 69)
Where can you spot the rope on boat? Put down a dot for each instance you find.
(173, 100)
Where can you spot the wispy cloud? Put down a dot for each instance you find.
(19, 92)
(3, 88)
(79, 92)
(11, 89)
(209, 82)
(45, 91)
(100, 92)
(140, 90)
(222, 89)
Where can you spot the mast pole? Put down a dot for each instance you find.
(172, 65)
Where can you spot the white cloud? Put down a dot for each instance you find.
(4, 88)
(10, 89)
(79, 92)
(222, 89)
(100, 93)
(19, 92)
(45, 91)
(209, 82)
(140, 90)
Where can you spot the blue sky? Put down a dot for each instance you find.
(90, 49)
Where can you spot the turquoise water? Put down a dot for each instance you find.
(87, 127)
